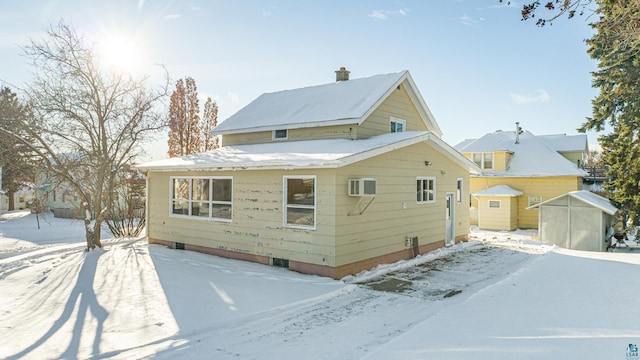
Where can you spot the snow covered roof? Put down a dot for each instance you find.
(499, 190)
(326, 153)
(531, 157)
(588, 197)
(339, 103)
(564, 142)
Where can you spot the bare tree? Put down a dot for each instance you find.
(209, 122)
(87, 122)
(184, 119)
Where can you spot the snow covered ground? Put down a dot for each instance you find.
(502, 295)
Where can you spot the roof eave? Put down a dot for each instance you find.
(335, 122)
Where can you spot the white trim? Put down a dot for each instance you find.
(493, 207)
(285, 205)
(452, 220)
(421, 136)
(397, 121)
(190, 200)
(433, 190)
(482, 154)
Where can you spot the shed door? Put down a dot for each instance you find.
(449, 221)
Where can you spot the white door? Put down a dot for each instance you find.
(449, 237)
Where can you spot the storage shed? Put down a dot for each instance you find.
(498, 208)
(577, 220)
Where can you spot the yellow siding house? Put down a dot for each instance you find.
(519, 170)
(330, 180)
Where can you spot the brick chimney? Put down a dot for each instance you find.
(342, 74)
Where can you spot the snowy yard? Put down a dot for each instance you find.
(502, 295)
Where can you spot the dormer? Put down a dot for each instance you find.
(490, 160)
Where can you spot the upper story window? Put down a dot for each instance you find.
(397, 125)
(495, 204)
(459, 190)
(202, 198)
(281, 134)
(483, 159)
(300, 202)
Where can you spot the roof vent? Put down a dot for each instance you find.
(342, 74)
(518, 132)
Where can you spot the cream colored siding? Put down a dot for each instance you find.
(547, 187)
(503, 218)
(394, 214)
(312, 133)
(257, 226)
(574, 156)
(345, 231)
(500, 160)
(397, 105)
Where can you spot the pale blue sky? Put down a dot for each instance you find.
(478, 67)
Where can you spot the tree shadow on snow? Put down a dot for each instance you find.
(82, 290)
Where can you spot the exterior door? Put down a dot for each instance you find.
(449, 237)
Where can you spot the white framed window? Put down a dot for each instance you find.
(397, 125)
(483, 159)
(535, 199)
(281, 134)
(459, 190)
(495, 204)
(205, 198)
(425, 189)
(299, 195)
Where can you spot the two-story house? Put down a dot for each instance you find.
(519, 170)
(330, 180)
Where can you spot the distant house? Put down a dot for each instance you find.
(21, 199)
(57, 195)
(578, 220)
(330, 180)
(520, 169)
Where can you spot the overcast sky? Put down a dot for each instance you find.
(478, 67)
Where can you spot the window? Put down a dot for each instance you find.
(300, 202)
(535, 199)
(483, 159)
(202, 197)
(425, 189)
(494, 204)
(282, 134)
(459, 190)
(397, 125)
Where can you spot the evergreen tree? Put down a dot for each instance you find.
(618, 79)
(16, 159)
(209, 122)
(184, 119)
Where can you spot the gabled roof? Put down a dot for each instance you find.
(339, 103)
(566, 143)
(327, 153)
(531, 157)
(588, 197)
(499, 190)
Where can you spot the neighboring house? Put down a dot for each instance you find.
(579, 220)
(520, 169)
(57, 195)
(329, 180)
(21, 199)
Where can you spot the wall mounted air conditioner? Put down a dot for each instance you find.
(362, 187)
